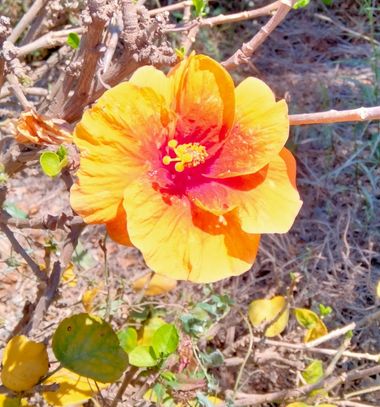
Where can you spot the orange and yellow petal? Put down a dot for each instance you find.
(266, 202)
(117, 228)
(150, 77)
(203, 98)
(260, 131)
(183, 242)
(118, 139)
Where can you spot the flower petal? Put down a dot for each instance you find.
(119, 137)
(150, 77)
(266, 202)
(203, 99)
(117, 228)
(183, 242)
(260, 132)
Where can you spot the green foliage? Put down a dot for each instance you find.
(73, 40)
(301, 4)
(143, 356)
(204, 314)
(328, 2)
(14, 211)
(200, 7)
(212, 359)
(165, 340)
(306, 318)
(324, 310)
(180, 52)
(314, 372)
(52, 162)
(88, 346)
(128, 339)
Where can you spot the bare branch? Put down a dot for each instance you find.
(26, 20)
(20, 250)
(243, 54)
(171, 7)
(49, 40)
(336, 116)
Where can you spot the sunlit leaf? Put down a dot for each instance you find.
(128, 338)
(318, 330)
(313, 372)
(6, 401)
(263, 310)
(165, 340)
(88, 346)
(200, 7)
(143, 356)
(50, 163)
(73, 389)
(301, 3)
(24, 363)
(69, 276)
(298, 404)
(73, 40)
(325, 310)
(378, 289)
(149, 330)
(88, 298)
(306, 318)
(157, 285)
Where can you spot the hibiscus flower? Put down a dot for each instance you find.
(187, 168)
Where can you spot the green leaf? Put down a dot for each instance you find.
(165, 340)
(73, 40)
(50, 163)
(200, 7)
(128, 338)
(14, 210)
(88, 346)
(142, 356)
(195, 322)
(7, 401)
(314, 372)
(328, 2)
(306, 318)
(301, 4)
(212, 359)
(324, 310)
(180, 52)
(62, 152)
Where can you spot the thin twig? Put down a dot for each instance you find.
(128, 377)
(336, 116)
(243, 54)
(27, 18)
(21, 251)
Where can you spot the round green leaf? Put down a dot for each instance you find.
(306, 318)
(165, 340)
(142, 356)
(73, 40)
(88, 346)
(128, 338)
(313, 372)
(50, 163)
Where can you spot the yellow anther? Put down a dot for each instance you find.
(179, 167)
(186, 155)
(166, 160)
(173, 143)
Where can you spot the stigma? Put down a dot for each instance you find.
(187, 155)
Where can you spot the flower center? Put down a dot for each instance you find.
(186, 155)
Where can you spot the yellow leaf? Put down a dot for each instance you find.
(298, 404)
(318, 330)
(149, 329)
(88, 298)
(261, 311)
(72, 389)
(25, 362)
(378, 289)
(157, 285)
(69, 276)
(6, 401)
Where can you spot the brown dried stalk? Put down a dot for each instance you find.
(336, 116)
(243, 54)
